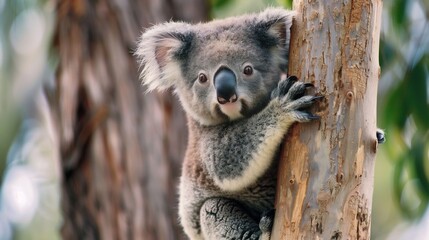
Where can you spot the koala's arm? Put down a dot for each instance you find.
(238, 153)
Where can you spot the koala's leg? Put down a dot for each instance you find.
(223, 218)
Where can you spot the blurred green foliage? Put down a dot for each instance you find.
(404, 105)
(10, 115)
(24, 38)
(29, 186)
(224, 8)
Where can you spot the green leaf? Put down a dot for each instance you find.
(219, 3)
(399, 181)
(398, 13)
(387, 53)
(417, 96)
(285, 3)
(419, 150)
(396, 110)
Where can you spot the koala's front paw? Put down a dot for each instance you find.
(291, 94)
(266, 224)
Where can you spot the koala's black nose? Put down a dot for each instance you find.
(225, 84)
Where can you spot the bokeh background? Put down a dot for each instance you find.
(30, 169)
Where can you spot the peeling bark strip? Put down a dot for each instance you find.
(326, 168)
(120, 157)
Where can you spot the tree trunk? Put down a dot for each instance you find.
(327, 167)
(121, 150)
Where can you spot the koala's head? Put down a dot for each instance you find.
(222, 70)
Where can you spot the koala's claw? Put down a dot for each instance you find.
(315, 98)
(301, 103)
(292, 95)
(312, 116)
(296, 91)
(284, 86)
(309, 85)
(292, 78)
(305, 116)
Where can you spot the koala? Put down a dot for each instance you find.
(227, 74)
(229, 77)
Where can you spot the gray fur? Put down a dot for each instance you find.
(229, 176)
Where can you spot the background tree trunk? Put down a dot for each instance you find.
(326, 168)
(120, 161)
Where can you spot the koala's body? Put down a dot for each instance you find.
(228, 77)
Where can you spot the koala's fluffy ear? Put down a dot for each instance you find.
(159, 51)
(273, 31)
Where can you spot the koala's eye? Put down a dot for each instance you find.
(248, 70)
(202, 78)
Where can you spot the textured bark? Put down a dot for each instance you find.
(326, 168)
(120, 155)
